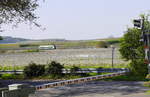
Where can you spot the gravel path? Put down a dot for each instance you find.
(96, 89)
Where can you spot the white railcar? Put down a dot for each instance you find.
(47, 47)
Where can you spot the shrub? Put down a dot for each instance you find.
(102, 44)
(138, 68)
(34, 70)
(54, 68)
(28, 45)
(74, 70)
(110, 42)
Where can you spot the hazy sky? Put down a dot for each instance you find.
(82, 19)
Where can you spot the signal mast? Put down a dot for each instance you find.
(145, 37)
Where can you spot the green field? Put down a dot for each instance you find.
(65, 44)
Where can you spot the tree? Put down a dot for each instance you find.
(16, 11)
(132, 49)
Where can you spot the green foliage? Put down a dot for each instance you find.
(127, 77)
(11, 76)
(98, 65)
(11, 67)
(102, 44)
(115, 41)
(28, 45)
(16, 11)
(131, 48)
(137, 67)
(54, 68)
(74, 69)
(34, 70)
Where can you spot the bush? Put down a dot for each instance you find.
(74, 70)
(110, 42)
(54, 68)
(34, 70)
(102, 44)
(138, 68)
(28, 45)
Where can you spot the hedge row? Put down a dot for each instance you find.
(53, 68)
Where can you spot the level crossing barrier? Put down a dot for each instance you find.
(79, 80)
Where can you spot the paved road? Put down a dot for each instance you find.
(96, 89)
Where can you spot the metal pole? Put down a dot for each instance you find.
(113, 48)
(146, 40)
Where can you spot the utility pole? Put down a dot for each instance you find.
(113, 49)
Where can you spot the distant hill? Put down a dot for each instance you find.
(8, 39)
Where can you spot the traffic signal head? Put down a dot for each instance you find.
(137, 23)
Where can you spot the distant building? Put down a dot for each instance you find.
(47, 47)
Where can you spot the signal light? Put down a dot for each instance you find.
(137, 23)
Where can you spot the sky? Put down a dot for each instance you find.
(81, 19)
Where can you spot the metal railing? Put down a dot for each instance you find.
(83, 70)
